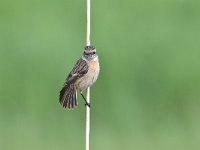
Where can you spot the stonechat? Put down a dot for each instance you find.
(84, 73)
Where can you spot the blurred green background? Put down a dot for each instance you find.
(148, 93)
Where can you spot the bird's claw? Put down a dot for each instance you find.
(87, 104)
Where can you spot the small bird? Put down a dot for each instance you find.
(84, 73)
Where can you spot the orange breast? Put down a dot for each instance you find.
(93, 64)
(90, 77)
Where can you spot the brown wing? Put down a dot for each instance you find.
(79, 69)
(68, 93)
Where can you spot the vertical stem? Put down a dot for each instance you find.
(87, 142)
(87, 133)
(88, 24)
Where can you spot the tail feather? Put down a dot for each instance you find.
(75, 102)
(68, 96)
(70, 100)
(72, 104)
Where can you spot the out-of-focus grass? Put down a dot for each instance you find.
(147, 95)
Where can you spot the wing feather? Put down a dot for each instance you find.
(79, 69)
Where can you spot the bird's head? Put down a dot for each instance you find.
(90, 53)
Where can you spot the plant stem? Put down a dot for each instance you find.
(87, 132)
(87, 142)
(88, 24)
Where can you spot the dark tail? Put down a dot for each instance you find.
(68, 96)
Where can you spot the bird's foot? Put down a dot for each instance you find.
(87, 104)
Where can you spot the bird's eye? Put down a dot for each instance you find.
(94, 53)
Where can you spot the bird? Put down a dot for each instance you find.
(83, 74)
